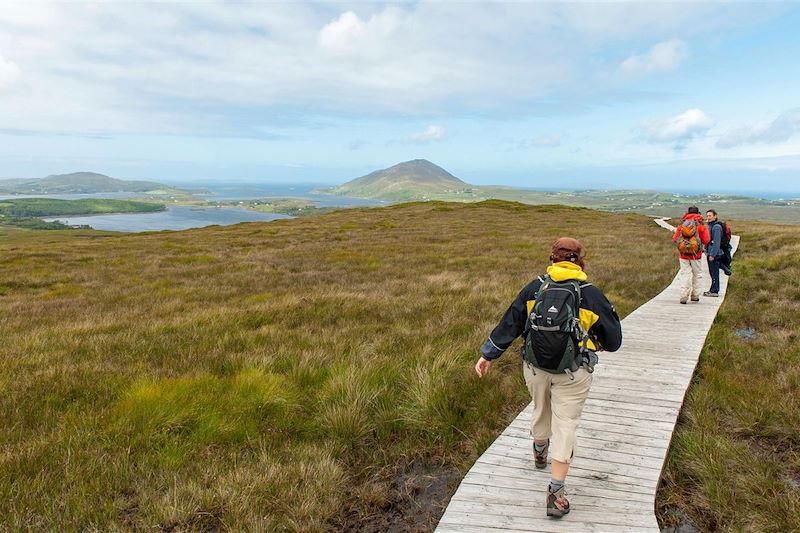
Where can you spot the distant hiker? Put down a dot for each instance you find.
(691, 236)
(714, 254)
(564, 321)
(720, 247)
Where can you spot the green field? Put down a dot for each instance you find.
(296, 207)
(308, 374)
(49, 207)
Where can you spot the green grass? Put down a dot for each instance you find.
(734, 463)
(305, 375)
(297, 207)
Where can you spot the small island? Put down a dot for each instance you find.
(295, 207)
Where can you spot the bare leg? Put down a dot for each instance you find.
(559, 470)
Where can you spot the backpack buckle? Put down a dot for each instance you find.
(589, 359)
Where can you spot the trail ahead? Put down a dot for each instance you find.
(623, 435)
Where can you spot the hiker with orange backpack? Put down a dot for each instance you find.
(692, 237)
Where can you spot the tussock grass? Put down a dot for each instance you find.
(304, 375)
(734, 464)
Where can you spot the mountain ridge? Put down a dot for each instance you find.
(84, 182)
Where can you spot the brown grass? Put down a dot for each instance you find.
(734, 463)
(306, 375)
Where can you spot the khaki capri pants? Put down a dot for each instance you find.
(558, 402)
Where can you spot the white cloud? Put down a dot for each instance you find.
(219, 67)
(679, 130)
(9, 72)
(431, 133)
(342, 34)
(778, 131)
(348, 34)
(664, 56)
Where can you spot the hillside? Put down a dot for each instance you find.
(77, 183)
(316, 374)
(309, 374)
(412, 180)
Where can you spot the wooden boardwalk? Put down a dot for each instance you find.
(623, 435)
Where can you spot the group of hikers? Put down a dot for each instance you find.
(565, 321)
(693, 236)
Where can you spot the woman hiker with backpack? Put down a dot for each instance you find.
(564, 321)
(691, 236)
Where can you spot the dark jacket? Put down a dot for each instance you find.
(715, 246)
(597, 315)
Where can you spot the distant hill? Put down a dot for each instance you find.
(411, 180)
(77, 183)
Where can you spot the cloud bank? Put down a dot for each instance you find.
(223, 68)
(778, 131)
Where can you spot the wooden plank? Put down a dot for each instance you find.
(588, 475)
(585, 434)
(623, 435)
(622, 486)
(524, 486)
(600, 520)
(514, 449)
(621, 425)
(605, 467)
(599, 446)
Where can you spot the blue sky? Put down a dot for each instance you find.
(685, 96)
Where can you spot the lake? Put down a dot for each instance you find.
(185, 217)
(174, 218)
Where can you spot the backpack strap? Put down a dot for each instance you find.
(543, 280)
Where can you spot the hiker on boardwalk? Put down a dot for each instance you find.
(564, 321)
(714, 254)
(719, 250)
(691, 236)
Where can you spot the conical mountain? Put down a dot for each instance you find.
(409, 180)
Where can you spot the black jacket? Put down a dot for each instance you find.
(597, 315)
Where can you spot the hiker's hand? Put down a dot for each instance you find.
(710, 257)
(482, 367)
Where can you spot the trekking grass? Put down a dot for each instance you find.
(309, 374)
(734, 462)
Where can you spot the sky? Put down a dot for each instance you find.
(671, 96)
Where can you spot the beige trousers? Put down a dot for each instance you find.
(691, 276)
(558, 402)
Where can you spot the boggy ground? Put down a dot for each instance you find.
(310, 374)
(734, 463)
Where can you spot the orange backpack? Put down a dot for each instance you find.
(688, 240)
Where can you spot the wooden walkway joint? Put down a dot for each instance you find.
(623, 436)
